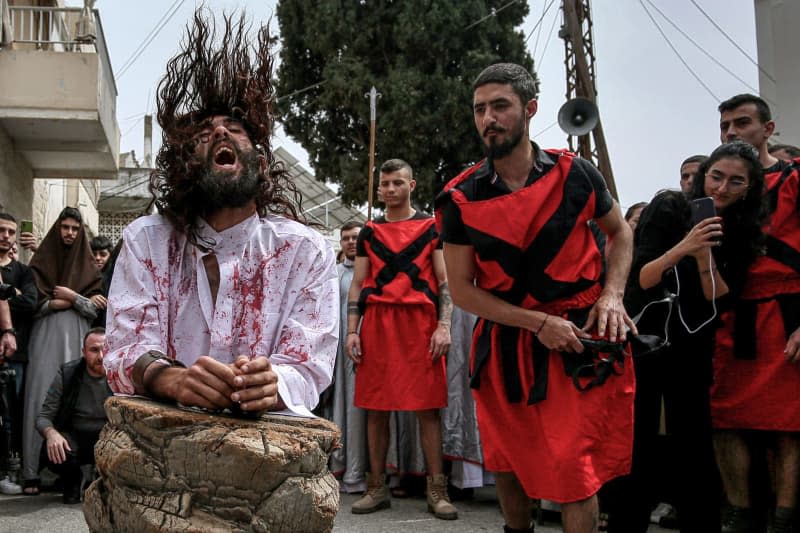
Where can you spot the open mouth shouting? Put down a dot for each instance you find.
(224, 157)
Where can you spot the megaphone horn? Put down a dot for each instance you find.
(578, 116)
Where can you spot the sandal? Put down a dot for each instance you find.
(30, 487)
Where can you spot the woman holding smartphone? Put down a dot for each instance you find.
(704, 263)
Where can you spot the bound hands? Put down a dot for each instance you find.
(251, 383)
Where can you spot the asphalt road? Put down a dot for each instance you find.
(26, 514)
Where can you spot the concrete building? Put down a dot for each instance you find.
(779, 64)
(58, 125)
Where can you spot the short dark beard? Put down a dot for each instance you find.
(501, 150)
(219, 190)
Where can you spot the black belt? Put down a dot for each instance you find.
(588, 370)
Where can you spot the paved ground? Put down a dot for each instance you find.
(25, 514)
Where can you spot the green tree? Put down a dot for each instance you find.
(421, 55)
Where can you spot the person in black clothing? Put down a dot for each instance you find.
(22, 305)
(72, 415)
(706, 267)
(102, 250)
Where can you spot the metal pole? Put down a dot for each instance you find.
(373, 96)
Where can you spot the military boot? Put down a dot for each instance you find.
(438, 501)
(375, 498)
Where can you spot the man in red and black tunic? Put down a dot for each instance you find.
(556, 420)
(757, 352)
(399, 285)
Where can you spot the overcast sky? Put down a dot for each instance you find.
(654, 112)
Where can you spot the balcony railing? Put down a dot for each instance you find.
(59, 29)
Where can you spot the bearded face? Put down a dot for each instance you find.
(231, 188)
(230, 176)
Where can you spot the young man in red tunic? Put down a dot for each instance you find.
(757, 353)
(399, 286)
(520, 254)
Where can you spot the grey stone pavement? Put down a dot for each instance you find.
(46, 513)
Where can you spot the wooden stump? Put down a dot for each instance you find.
(164, 468)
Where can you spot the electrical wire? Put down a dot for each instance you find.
(708, 54)
(493, 12)
(544, 130)
(713, 296)
(549, 38)
(539, 22)
(151, 36)
(680, 57)
(538, 33)
(734, 43)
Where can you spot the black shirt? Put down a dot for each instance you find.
(22, 306)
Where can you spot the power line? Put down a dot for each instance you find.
(127, 61)
(538, 33)
(492, 12)
(711, 20)
(539, 22)
(549, 38)
(547, 128)
(151, 36)
(685, 64)
(134, 125)
(709, 55)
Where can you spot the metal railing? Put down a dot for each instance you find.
(55, 29)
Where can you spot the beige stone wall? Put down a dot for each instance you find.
(16, 180)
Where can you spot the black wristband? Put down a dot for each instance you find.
(144, 361)
(12, 331)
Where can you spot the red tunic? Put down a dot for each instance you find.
(534, 248)
(399, 300)
(754, 386)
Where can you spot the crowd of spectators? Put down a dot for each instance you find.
(721, 292)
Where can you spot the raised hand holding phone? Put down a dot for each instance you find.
(706, 229)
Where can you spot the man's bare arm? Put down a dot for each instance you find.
(445, 299)
(608, 313)
(440, 340)
(353, 341)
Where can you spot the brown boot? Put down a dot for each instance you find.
(376, 497)
(438, 502)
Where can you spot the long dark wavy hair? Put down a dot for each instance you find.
(743, 239)
(209, 76)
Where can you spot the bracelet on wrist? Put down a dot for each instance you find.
(542, 325)
(352, 333)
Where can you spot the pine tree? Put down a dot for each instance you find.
(421, 55)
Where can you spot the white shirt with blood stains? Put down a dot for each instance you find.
(277, 297)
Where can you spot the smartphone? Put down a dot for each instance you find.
(26, 226)
(702, 208)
